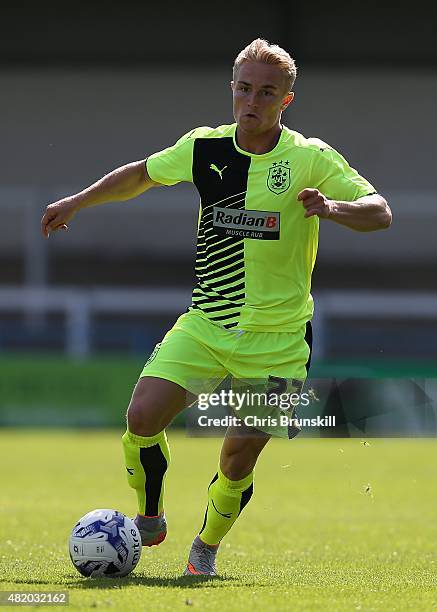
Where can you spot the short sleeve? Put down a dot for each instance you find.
(332, 175)
(174, 164)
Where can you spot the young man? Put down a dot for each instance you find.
(263, 189)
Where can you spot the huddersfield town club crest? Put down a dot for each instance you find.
(278, 179)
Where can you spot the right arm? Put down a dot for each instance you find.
(121, 184)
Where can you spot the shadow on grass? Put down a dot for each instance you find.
(148, 581)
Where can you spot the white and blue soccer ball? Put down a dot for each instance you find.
(105, 543)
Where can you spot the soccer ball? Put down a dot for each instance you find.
(105, 543)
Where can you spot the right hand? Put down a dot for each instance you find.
(57, 215)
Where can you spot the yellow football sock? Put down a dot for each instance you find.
(226, 500)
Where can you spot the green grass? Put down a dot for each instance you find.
(333, 524)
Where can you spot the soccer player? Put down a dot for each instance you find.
(263, 190)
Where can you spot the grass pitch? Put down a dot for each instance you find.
(333, 524)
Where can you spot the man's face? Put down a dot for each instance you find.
(259, 96)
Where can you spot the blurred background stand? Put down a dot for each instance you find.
(111, 286)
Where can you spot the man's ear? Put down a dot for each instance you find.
(287, 100)
(232, 85)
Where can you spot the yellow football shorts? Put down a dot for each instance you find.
(198, 355)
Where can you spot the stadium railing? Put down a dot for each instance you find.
(78, 306)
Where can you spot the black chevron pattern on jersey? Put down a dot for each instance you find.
(220, 292)
(228, 265)
(228, 255)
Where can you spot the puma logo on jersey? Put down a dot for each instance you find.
(219, 172)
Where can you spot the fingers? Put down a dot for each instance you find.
(307, 193)
(314, 203)
(314, 211)
(46, 222)
(55, 228)
(311, 197)
(50, 223)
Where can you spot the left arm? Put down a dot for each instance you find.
(366, 214)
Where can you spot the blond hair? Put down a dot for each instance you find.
(259, 50)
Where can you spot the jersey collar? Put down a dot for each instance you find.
(257, 155)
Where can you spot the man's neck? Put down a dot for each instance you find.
(259, 143)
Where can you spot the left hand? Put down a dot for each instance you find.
(315, 203)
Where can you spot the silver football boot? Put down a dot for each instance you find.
(201, 561)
